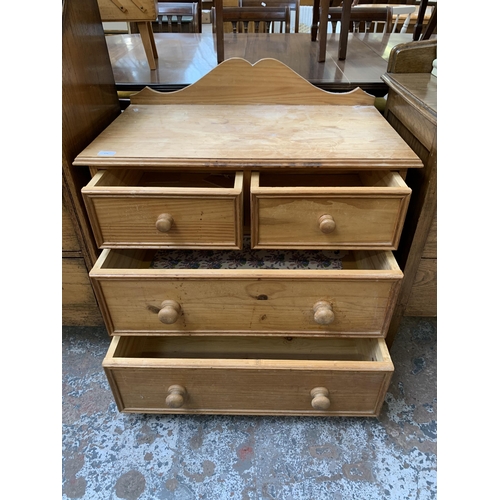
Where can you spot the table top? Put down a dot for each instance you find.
(186, 57)
(276, 123)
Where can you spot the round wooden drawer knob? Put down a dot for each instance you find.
(177, 396)
(164, 223)
(326, 224)
(169, 312)
(320, 399)
(323, 313)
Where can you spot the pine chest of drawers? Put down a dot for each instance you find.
(247, 224)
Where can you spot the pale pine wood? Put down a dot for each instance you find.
(169, 312)
(128, 10)
(162, 318)
(231, 116)
(148, 41)
(141, 11)
(176, 396)
(268, 81)
(131, 209)
(362, 210)
(247, 137)
(247, 301)
(323, 313)
(222, 381)
(320, 399)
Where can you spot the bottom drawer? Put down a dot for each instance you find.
(259, 376)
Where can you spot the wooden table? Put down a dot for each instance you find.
(184, 58)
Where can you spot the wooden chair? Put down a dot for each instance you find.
(261, 17)
(180, 9)
(432, 23)
(294, 6)
(220, 14)
(363, 18)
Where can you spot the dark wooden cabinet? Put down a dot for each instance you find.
(412, 110)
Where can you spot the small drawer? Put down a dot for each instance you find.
(141, 209)
(259, 292)
(357, 210)
(259, 376)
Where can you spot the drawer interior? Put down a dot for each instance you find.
(333, 180)
(279, 348)
(152, 259)
(155, 179)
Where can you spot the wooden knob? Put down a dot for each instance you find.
(177, 396)
(326, 224)
(320, 400)
(169, 312)
(323, 313)
(164, 223)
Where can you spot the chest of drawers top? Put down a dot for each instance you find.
(241, 116)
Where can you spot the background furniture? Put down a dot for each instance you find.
(262, 18)
(242, 16)
(363, 18)
(431, 24)
(369, 12)
(412, 110)
(89, 104)
(143, 12)
(319, 27)
(293, 5)
(181, 9)
(182, 16)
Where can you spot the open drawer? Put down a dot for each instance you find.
(246, 293)
(255, 375)
(141, 209)
(354, 210)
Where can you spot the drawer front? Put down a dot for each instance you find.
(195, 301)
(242, 386)
(352, 211)
(124, 215)
(233, 391)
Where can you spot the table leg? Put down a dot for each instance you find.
(148, 41)
(345, 20)
(431, 25)
(152, 38)
(219, 31)
(323, 28)
(315, 20)
(417, 30)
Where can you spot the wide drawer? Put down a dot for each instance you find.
(141, 209)
(228, 375)
(311, 293)
(355, 210)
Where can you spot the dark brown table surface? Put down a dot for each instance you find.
(183, 58)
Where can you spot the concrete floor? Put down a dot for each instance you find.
(108, 455)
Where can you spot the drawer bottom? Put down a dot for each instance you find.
(249, 376)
